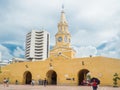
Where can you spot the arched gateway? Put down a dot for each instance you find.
(82, 76)
(27, 77)
(51, 77)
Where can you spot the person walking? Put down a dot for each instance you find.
(45, 82)
(7, 82)
(94, 85)
(4, 82)
(33, 82)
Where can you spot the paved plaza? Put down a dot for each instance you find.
(36, 87)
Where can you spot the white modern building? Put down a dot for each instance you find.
(37, 45)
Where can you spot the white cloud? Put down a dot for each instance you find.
(98, 11)
(85, 51)
(86, 37)
(18, 52)
(5, 53)
(112, 48)
(111, 54)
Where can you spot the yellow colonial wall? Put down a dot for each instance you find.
(100, 67)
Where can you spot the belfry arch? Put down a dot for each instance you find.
(82, 75)
(27, 77)
(51, 77)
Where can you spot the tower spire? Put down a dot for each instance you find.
(63, 18)
(62, 7)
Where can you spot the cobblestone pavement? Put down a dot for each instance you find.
(36, 87)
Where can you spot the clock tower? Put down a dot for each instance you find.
(63, 39)
(63, 36)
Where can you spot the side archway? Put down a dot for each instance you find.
(27, 77)
(51, 77)
(82, 74)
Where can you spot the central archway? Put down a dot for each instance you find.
(51, 77)
(82, 74)
(27, 77)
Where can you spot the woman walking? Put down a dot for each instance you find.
(94, 85)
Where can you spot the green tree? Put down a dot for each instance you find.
(115, 79)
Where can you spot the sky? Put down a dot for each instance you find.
(94, 25)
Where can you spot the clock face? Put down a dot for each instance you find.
(59, 39)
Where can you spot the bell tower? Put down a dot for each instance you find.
(63, 36)
(63, 39)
